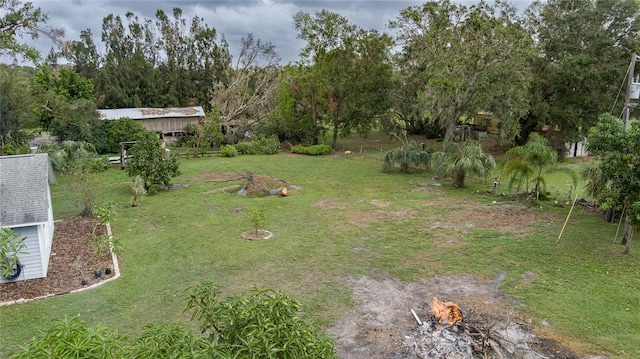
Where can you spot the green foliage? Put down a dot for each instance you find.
(79, 162)
(261, 146)
(73, 338)
(409, 154)
(11, 244)
(122, 130)
(106, 212)
(164, 340)
(463, 161)
(615, 180)
(258, 218)
(265, 324)
(228, 151)
(16, 101)
(141, 66)
(532, 163)
(347, 66)
(19, 21)
(193, 137)
(150, 161)
(586, 46)
(78, 121)
(138, 191)
(313, 150)
(486, 70)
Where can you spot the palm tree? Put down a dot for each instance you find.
(532, 162)
(409, 154)
(66, 156)
(460, 162)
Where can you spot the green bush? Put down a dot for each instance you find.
(228, 151)
(261, 146)
(315, 150)
(264, 324)
(122, 130)
(96, 164)
(72, 338)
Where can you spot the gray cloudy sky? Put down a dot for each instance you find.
(268, 20)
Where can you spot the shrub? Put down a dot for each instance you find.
(409, 154)
(262, 146)
(151, 162)
(265, 324)
(315, 150)
(124, 129)
(228, 151)
(72, 338)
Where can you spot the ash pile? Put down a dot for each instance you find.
(445, 333)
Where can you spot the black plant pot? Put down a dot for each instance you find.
(107, 271)
(16, 272)
(97, 273)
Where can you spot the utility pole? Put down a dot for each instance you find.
(627, 98)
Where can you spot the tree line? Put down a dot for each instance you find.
(559, 63)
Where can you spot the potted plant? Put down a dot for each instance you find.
(11, 244)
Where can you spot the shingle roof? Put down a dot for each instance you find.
(146, 113)
(24, 181)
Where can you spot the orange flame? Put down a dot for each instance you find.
(446, 312)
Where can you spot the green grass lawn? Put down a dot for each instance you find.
(348, 219)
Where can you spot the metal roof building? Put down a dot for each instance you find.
(168, 121)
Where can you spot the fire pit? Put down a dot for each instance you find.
(446, 333)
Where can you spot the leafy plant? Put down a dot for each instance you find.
(228, 151)
(106, 212)
(260, 146)
(409, 154)
(72, 338)
(460, 162)
(531, 163)
(11, 244)
(313, 150)
(151, 162)
(258, 218)
(264, 324)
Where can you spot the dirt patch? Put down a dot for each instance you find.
(382, 325)
(329, 203)
(71, 265)
(514, 219)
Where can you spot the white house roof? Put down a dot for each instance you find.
(24, 194)
(147, 113)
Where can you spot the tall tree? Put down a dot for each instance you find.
(469, 59)
(19, 20)
(586, 47)
(291, 120)
(346, 60)
(16, 101)
(615, 181)
(55, 89)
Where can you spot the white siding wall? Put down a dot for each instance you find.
(32, 261)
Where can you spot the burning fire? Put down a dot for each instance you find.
(445, 312)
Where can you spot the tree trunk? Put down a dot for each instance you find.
(628, 235)
(459, 179)
(314, 111)
(334, 141)
(627, 232)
